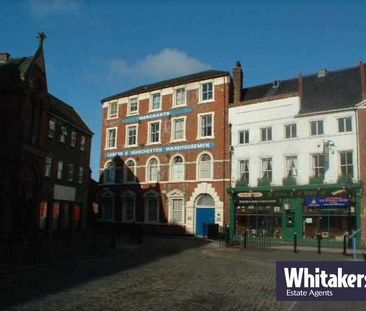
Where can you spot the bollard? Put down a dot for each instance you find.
(295, 242)
(319, 238)
(345, 245)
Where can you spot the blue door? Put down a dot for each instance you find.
(204, 216)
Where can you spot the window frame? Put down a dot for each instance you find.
(287, 170)
(315, 168)
(346, 165)
(267, 129)
(111, 116)
(199, 118)
(130, 101)
(201, 100)
(172, 178)
(125, 173)
(48, 167)
(291, 131)
(175, 97)
(151, 101)
(82, 142)
(198, 161)
(317, 122)
(244, 132)
(107, 147)
(149, 142)
(51, 128)
(60, 168)
(127, 138)
(130, 195)
(80, 174)
(151, 195)
(148, 175)
(172, 126)
(264, 172)
(240, 172)
(70, 172)
(344, 119)
(73, 139)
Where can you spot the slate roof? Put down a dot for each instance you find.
(169, 83)
(336, 90)
(66, 112)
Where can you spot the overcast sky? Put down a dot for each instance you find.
(95, 49)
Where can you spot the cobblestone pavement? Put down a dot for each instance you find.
(160, 274)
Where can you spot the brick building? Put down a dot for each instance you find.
(44, 161)
(165, 154)
(298, 156)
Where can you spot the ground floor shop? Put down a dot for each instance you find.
(279, 212)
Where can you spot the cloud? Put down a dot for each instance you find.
(168, 63)
(53, 7)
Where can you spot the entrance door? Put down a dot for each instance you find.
(204, 216)
(292, 218)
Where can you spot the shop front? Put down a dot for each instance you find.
(310, 210)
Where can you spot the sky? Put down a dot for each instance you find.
(95, 49)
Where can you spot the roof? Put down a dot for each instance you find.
(62, 110)
(336, 90)
(11, 70)
(169, 83)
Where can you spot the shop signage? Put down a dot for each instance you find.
(163, 149)
(254, 201)
(250, 194)
(158, 115)
(327, 201)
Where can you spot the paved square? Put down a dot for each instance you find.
(160, 274)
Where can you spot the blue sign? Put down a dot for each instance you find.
(158, 115)
(320, 280)
(327, 201)
(162, 149)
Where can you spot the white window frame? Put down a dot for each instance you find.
(151, 102)
(291, 130)
(199, 116)
(171, 168)
(264, 171)
(317, 127)
(127, 136)
(172, 135)
(201, 100)
(114, 115)
(266, 133)
(131, 195)
(287, 169)
(60, 168)
(149, 142)
(175, 96)
(243, 131)
(129, 112)
(239, 172)
(346, 165)
(126, 168)
(313, 164)
(198, 166)
(107, 138)
(151, 195)
(48, 167)
(344, 120)
(148, 177)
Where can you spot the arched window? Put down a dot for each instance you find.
(110, 173)
(205, 167)
(153, 170)
(177, 168)
(205, 200)
(130, 171)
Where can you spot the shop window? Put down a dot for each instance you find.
(55, 216)
(65, 216)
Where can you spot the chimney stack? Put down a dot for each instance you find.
(4, 57)
(301, 88)
(363, 80)
(238, 82)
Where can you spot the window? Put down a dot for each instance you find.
(290, 131)
(318, 165)
(153, 170)
(63, 134)
(267, 169)
(179, 129)
(291, 166)
(177, 210)
(205, 167)
(112, 110)
(177, 168)
(70, 172)
(82, 143)
(316, 128)
(131, 135)
(133, 106)
(345, 124)
(110, 173)
(206, 125)
(60, 165)
(80, 175)
(266, 134)
(128, 206)
(111, 138)
(244, 137)
(244, 170)
(107, 209)
(346, 163)
(130, 171)
(151, 207)
(48, 164)
(180, 97)
(155, 102)
(51, 128)
(154, 129)
(206, 91)
(73, 139)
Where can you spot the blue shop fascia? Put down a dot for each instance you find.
(330, 210)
